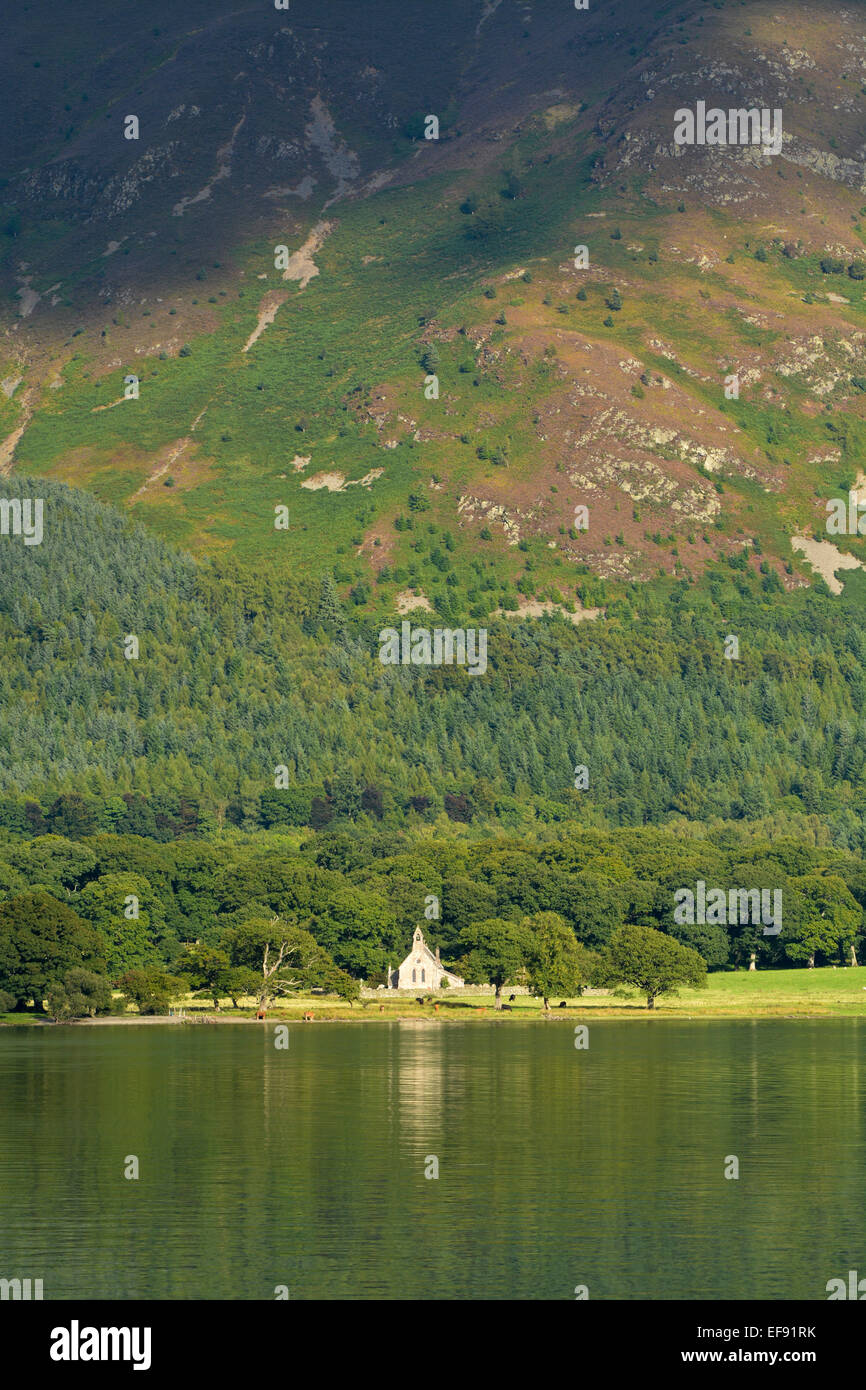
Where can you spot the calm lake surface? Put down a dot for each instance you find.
(557, 1167)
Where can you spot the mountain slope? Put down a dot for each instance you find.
(304, 387)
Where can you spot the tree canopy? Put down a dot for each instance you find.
(40, 940)
(651, 962)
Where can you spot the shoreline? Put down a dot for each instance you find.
(824, 993)
(636, 1013)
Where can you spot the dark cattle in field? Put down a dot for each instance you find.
(563, 1004)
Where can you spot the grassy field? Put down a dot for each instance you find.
(826, 993)
(744, 994)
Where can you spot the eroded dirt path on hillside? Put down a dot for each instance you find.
(174, 453)
(225, 155)
(826, 558)
(336, 482)
(301, 265)
(267, 313)
(301, 268)
(10, 443)
(534, 608)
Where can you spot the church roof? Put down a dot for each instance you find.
(420, 948)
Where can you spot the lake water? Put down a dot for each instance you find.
(557, 1167)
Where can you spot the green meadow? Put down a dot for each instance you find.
(819, 993)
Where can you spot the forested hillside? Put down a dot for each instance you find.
(237, 676)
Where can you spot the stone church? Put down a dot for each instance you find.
(422, 969)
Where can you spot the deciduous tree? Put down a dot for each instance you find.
(652, 962)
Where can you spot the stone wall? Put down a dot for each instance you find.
(380, 992)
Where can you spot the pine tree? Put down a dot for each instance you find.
(329, 613)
